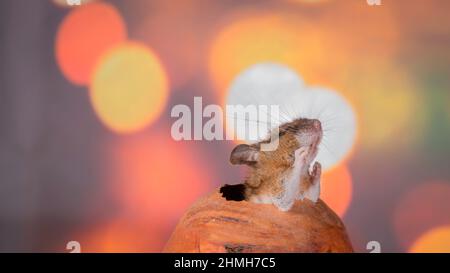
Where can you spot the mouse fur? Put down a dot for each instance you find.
(281, 176)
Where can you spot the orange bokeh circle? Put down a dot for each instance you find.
(155, 175)
(336, 189)
(122, 235)
(84, 35)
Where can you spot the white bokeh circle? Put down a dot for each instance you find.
(276, 84)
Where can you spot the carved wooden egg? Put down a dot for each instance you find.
(214, 224)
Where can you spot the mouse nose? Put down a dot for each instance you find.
(317, 124)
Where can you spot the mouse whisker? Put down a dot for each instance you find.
(331, 119)
(312, 106)
(249, 120)
(323, 109)
(329, 150)
(285, 116)
(335, 128)
(330, 129)
(292, 110)
(280, 116)
(255, 99)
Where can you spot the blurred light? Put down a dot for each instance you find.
(424, 207)
(83, 36)
(387, 102)
(262, 84)
(124, 236)
(447, 107)
(419, 24)
(129, 88)
(278, 38)
(436, 240)
(337, 189)
(158, 177)
(376, 34)
(176, 33)
(66, 3)
(274, 84)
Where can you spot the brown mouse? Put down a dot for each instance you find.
(281, 176)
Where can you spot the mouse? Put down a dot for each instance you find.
(284, 175)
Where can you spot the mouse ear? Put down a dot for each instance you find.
(244, 154)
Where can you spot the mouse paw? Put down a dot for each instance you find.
(301, 155)
(313, 192)
(316, 172)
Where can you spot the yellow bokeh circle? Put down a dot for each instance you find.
(436, 240)
(129, 88)
(387, 101)
(257, 38)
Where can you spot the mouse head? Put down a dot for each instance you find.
(299, 133)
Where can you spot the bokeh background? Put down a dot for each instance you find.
(86, 92)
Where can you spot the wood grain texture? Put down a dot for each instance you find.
(216, 225)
